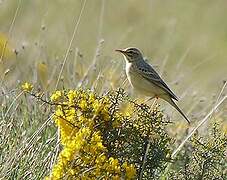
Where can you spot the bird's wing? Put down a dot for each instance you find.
(147, 71)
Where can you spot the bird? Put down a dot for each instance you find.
(144, 79)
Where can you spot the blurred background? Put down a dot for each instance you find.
(185, 41)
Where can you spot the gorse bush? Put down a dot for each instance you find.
(115, 137)
(100, 139)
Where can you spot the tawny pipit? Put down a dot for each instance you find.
(145, 79)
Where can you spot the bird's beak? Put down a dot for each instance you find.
(120, 50)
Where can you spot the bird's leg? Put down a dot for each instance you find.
(124, 83)
(149, 99)
(154, 102)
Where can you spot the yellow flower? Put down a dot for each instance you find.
(27, 87)
(97, 106)
(83, 143)
(83, 104)
(92, 97)
(70, 114)
(124, 165)
(130, 171)
(116, 177)
(56, 96)
(100, 159)
(71, 95)
(100, 146)
(96, 137)
(114, 165)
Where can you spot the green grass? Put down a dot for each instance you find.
(184, 40)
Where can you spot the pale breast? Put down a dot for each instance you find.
(140, 84)
(128, 69)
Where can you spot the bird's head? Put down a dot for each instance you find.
(131, 54)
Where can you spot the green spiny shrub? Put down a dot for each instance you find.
(203, 157)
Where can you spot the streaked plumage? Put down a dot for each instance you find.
(145, 79)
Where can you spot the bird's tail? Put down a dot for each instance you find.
(178, 109)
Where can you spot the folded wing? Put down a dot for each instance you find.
(147, 71)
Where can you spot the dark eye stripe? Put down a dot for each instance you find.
(131, 53)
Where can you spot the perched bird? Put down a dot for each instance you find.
(145, 79)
